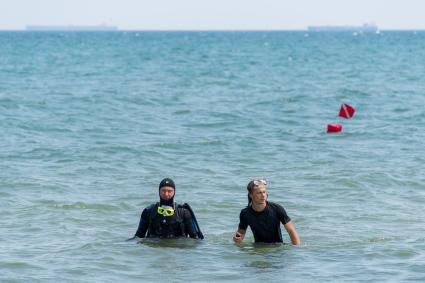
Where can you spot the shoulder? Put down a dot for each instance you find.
(181, 207)
(150, 207)
(245, 211)
(184, 209)
(275, 205)
(280, 213)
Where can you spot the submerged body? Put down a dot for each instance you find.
(155, 225)
(166, 219)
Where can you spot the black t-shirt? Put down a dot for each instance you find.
(265, 225)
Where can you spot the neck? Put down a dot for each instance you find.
(259, 207)
(169, 202)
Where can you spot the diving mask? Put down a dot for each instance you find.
(260, 182)
(166, 210)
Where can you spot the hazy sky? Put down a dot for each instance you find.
(213, 14)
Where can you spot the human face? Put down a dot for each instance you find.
(166, 193)
(259, 196)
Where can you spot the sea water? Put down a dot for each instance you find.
(91, 122)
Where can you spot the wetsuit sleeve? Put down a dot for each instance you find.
(189, 225)
(143, 224)
(243, 221)
(282, 215)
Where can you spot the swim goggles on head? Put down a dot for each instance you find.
(166, 211)
(260, 182)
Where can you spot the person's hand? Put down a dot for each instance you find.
(238, 237)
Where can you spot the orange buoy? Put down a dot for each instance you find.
(346, 111)
(334, 128)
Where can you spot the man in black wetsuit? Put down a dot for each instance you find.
(264, 217)
(166, 219)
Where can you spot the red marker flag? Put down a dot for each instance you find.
(346, 111)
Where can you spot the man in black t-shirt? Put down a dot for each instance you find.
(264, 217)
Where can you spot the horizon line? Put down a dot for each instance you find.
(200, 30)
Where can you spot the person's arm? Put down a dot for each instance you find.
(239, 235)
(287, 223)
(290, 228)
(143, 224)
(243, 225)
(188, 226)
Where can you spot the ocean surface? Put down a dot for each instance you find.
(91, 122)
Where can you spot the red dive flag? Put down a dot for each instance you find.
(346, 111)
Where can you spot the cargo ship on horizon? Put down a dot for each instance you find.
(330, 28)
(71, 28)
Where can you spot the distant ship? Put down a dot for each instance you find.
(362, 28)
(72, 28)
